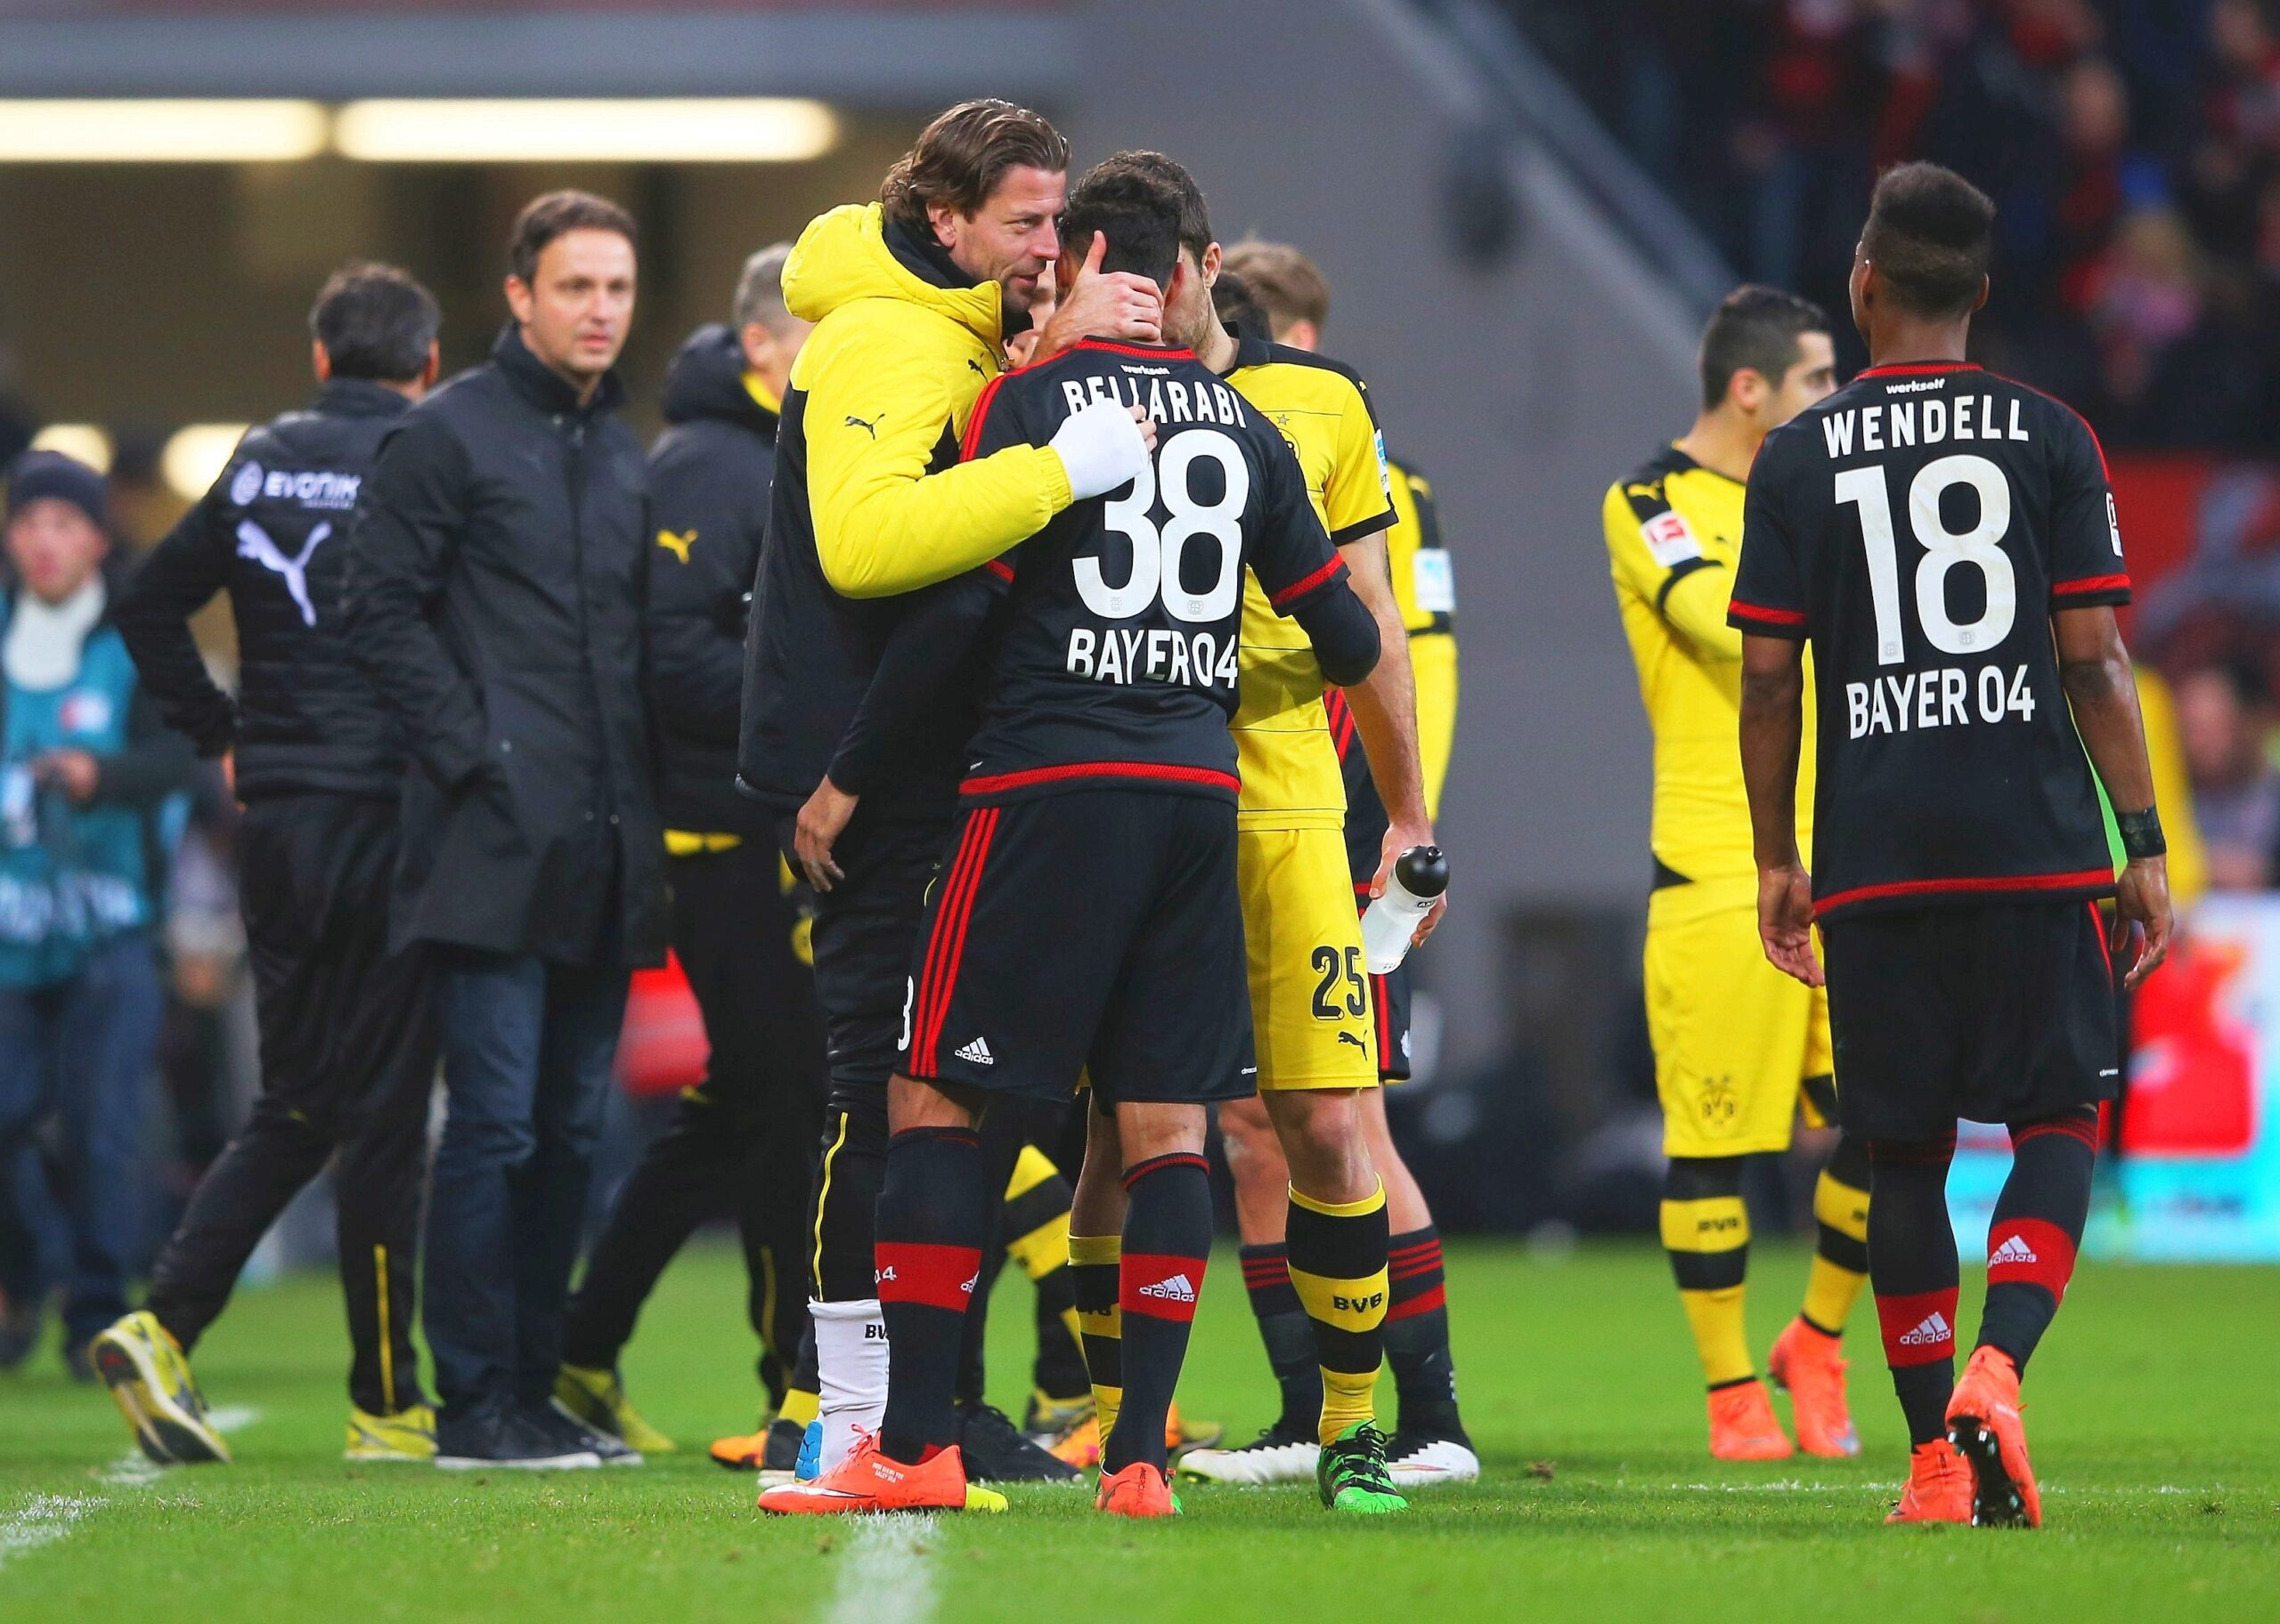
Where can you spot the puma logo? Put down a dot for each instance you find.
(1348, 1037)
(676, 545)
(254, 543)
(977, 366)
(870, 429)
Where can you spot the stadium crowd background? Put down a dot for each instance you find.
(2133, 147)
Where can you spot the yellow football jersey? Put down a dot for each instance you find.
(1674, 533)
(1425, 586)
(1282, 744)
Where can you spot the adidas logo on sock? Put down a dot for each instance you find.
(977, 1051)
(1931, 1329)
(2015, 1250)
(1179, 1288)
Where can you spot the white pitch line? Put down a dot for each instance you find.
(133, 1470)
(885, 1573)
(43, 1520)
(1793, 1487)
(233, 1418)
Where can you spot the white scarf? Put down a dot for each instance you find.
(44, 640)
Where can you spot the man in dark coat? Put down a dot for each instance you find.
(747, 1135)
(495, 597)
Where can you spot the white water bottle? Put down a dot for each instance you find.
(1420, 876)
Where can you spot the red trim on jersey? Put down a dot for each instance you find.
(1384, 1022)
(2091, 584)
(997, 783)
(2097, 444)
(1133, 349)
(982, 404)
(1772, 617)
(1340, 715)
(1298, 588)
(1423, 1302)
(945, 944)
(1908, 368)
(1986, 882)
(1000, 569)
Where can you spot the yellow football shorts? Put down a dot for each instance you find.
(1734, 1038)
(1309, 989)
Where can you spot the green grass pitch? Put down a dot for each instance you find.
(2153, 1415)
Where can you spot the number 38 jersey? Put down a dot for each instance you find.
(1920, 526)
(1116, 650)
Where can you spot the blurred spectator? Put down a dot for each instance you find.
(87, 777)
(2132, 145)
(2224, 720)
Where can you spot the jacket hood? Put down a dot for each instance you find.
(707, 380)
(845, 256)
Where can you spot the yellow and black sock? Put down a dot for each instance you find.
(799, 1407)
(1037, 1216)
(1841, 1255)
(1337, 1267)
(1094, 1263)
(1705, 1230)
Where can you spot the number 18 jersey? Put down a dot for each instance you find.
(1920, 526)
(1115, 656)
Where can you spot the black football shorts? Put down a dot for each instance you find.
(1097, 929)
(2001, 1011)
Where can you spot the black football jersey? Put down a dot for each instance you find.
(1114, 653)
(1919, 527)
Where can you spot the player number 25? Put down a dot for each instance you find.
(1157, 552)
(1981, 547)
(1333, 968)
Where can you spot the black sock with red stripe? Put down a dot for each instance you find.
(1167, 1238)
(1417, 1338)
(2037, 1225)
(1288, 1336)
(933, 1210)
(1913, 1269)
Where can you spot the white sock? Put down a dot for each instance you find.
(852, 1371)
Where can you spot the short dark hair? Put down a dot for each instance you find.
(760, 289)
(962, 156)
(1930, 233)
(1137, 213)
(557, 214)
(1287, 285)
(1233, 303)
(375, 321)
(1194, 214)
(1755, 329)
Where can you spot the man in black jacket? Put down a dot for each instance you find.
(749, 1130)
(347, 1031)
(495, 587)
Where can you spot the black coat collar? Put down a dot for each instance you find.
(358, 397)
(544, 388)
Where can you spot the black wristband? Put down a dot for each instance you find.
(2141, 834)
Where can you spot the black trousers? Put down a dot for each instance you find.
(348, 1047)
(744, 1140)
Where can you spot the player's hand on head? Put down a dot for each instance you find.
(1103, 304)
(1785, 922)
(1102, 446)
(1147, 426)
(2142, 904)
(821, 822)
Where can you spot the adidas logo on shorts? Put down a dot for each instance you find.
(977, 1051)
(2015, 1250)
(1930, 1331)
(1179, 1288)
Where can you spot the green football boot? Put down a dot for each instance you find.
(1352, 1473)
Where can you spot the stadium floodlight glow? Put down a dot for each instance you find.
(36, 130)
(89, 443)
(666, 130)
(195, 455)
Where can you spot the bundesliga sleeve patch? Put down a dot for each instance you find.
(1669, 539)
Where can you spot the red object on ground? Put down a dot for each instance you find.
(662, 1049)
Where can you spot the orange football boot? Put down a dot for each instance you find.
(1938, 1488)
(1983, 1424)
(741, 1454)
(867, 1480)
(1139, 1491)
(1743, 1425)
(1806, 1363)
(1080, 1445)
(1181, 1434)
